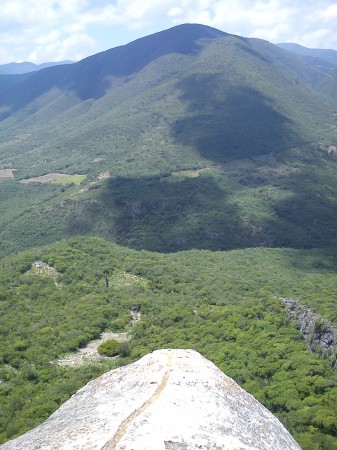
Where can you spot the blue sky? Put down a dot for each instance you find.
(56, 30)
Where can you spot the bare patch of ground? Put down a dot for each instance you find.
(131, 278)
(11, 143)
(331, 150)
(6, 174)
(280, 169)
(90, 352)
(42, 269)
(45, 178)
(136, 315)
(103, 175)
(189, 173)
(96, 160)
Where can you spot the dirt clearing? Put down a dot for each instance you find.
(45, 178)
(6, 174)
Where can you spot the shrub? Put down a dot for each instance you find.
(124, 349)
(109, 348)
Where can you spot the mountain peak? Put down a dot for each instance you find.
(169, 399)
(132, 57)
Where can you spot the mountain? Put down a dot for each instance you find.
(26, 67)
(89, 78)
(169, 399)
(7, 81)
(329, 56)
(171, 118)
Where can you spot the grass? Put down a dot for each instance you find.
(68, 179)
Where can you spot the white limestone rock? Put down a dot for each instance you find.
(169, 399)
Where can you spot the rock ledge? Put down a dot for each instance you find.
(169, 399)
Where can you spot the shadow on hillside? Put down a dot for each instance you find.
(90, 78)
(226, 122)
(171, 214)
(307, 218)
(167, 214)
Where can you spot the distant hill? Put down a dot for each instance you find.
(26, 67)
(327, 55)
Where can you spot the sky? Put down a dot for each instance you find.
(56, 30)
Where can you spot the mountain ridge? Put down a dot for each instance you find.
(327, 55)
(118, 61)
(15, 68)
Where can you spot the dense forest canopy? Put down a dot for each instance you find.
(224, 304)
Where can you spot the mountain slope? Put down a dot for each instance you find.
(230, 82)
(8, 81)
(329, 56)
(88, 77)
(172, 118)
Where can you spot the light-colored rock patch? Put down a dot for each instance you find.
(330, 150)
(6, 174)
(90, 353)
(125, 279)
(96, 160)
(169, 399)
(103, 175)
(42, 269)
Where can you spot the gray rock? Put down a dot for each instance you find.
(319, 333)
(169, 399)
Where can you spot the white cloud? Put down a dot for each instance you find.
(175, 12)
(71, 29)
(274, 20)
(38, 30)
(327, 14)
(61, 49)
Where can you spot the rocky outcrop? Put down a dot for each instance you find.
(169, 399)
(318, 332)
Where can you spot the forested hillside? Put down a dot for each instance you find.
(210, 141)
(224, 304)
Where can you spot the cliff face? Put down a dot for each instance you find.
(318, 332)
(169, 399)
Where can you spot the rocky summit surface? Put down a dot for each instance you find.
(169, 399)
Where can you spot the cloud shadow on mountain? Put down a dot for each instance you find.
(225, 122)
(166, 214)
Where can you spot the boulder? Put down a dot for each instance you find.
(169, 399)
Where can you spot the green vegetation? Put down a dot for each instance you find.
(223, 304)
(109, 348)
(266, 202)
(76, 179)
